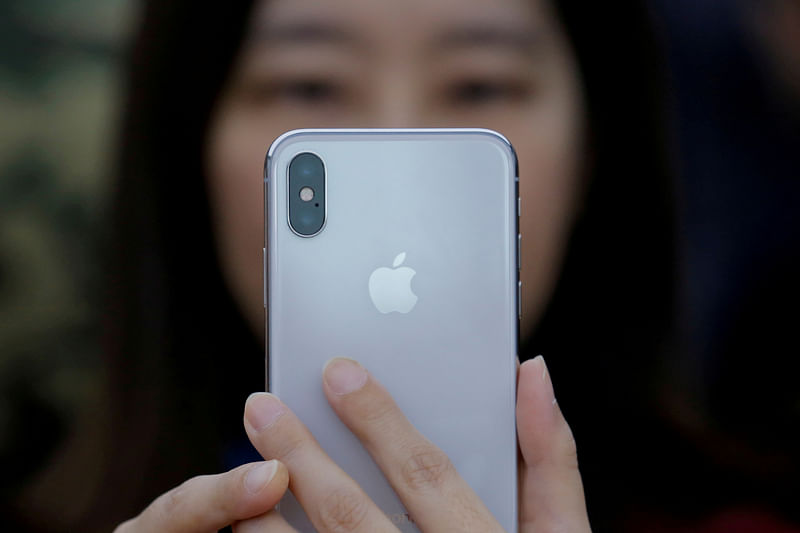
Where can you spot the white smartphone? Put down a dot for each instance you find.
(399, 248)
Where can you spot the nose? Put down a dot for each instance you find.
(398, 100)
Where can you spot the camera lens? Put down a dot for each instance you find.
(305, 170)
(306, 166)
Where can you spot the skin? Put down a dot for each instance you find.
(438, 499)
(504, 65)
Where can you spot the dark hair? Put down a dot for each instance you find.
(176, 340)
(609, 327)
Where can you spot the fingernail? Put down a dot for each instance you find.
(546, 377)
(258, 476)
(264, 410)
(544, 366)
(343, 375)
(540, 360)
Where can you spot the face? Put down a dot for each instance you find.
(503, 65)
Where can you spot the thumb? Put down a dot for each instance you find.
(551, 491)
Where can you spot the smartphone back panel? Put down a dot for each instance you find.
(415, 275)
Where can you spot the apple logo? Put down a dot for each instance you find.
(390, 288)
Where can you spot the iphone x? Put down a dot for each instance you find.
(399, 248)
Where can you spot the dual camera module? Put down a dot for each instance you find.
(306, 194)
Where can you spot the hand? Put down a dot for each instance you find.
(209, 503)
(550, 489)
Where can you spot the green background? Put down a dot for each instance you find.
(60, 64)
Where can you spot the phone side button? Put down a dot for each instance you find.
(519, 251)
(519, 299)
(264, 274)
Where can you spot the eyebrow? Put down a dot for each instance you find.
(304, 32)
(516, 38)
(501, 36)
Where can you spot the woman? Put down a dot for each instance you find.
(570, 83)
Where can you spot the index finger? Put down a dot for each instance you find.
(209, 503)
(421, 474)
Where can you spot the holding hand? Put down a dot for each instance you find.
(438, 499)
(550, 489)
(209, 503)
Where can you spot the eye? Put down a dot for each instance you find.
(308, 91)
(293, 91)
(482, 92)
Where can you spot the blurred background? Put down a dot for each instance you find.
(735, 112)
(59, 84)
